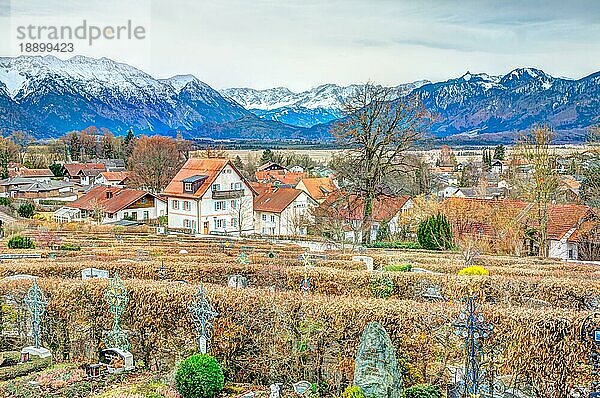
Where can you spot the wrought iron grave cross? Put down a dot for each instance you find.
(117, 298)
(202, 314)
(472, 327)
(36, 305)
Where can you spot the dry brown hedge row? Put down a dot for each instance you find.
(327, 278)
(261, 336)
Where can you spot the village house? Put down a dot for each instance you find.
(82, 173)
(113, 178)
(40, 175)
(495, 221)
(113, 204)
(210, 196)
(347, 212)
(275, 174)
(29, 188)
(318, 188)
(282, 211)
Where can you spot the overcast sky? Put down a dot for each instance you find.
(304, 43)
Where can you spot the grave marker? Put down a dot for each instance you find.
(202, 315)
(376, 367)
(92, 273)
(117, 298)
(473, 328)
(36, 305)
(237, 281)
(590, 334)
(368, 261)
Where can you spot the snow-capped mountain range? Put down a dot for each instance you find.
(52, 96)
(48, 97)
(306, 109)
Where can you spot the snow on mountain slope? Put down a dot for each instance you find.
(326, 96)
(75, 93)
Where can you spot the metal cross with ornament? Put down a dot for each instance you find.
(590, 334)
(305, 284)
(117, 298)
(36, 305)
(473, 328)
(202, 315)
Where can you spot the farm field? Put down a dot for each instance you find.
(273, 331)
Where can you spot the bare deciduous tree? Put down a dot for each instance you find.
(154, 162)
(378, 130)
(534, 146)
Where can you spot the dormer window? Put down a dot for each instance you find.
(191, 184)
(109, 195)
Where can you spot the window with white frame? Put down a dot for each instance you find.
(234, 204)
(237, 186)
(146, 215)
(220, 223)
(272, 217)
(216, 187)
(175, 205)
(234, 222)
(187, 224)
(187, 186)
(219, 205)
(186, 205)
(264, 217)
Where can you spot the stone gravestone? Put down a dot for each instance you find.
(237, 281)
(302, 387)
(376, 366)
(276, 390)
(91, 273)
(368, 261)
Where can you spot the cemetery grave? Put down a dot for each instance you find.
(284, 322)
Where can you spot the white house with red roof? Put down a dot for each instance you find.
(282, 211)
(210, 196)
(113, 204)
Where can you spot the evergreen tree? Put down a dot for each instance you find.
(435, 233)
(267, 156)
(128, 144)
(237, 162)
(499, 152)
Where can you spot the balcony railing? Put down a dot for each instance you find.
(229, 194)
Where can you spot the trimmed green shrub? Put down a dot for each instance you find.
(5, 202)
(474, 270)
(399, 268)
(69, 247)
(199, 376)
(435, 233)
(26, 210)
(20, 242)
(382, 286)
(353, 392)
(395, 245)
(422, 391)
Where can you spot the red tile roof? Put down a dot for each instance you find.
(25, 172)
(319, 188)
(98, 197)
(275, 200)
(351, 207)
(561, 217)
(209, 167)
(115, 175)
(74, 168)
(282, 176)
